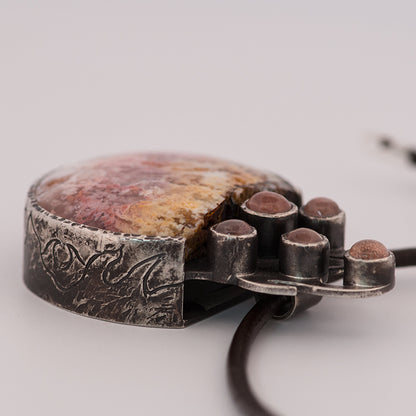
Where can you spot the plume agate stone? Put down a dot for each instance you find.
(156, 194)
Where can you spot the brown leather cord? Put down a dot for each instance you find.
(247, 331)
(405, 257)
(389, 144)
(268, 307)
(243, 338)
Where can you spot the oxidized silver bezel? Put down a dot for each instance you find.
(118, 277)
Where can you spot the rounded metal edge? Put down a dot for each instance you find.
(337, 218)
(294, 209)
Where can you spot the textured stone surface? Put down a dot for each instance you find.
(304, 236)
(154, 194)
(321, 208)
(234, 227)
(369, 250)
(266, 202)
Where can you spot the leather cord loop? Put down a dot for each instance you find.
(264, 310)
(250, 326)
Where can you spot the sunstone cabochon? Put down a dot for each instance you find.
(154, 194)
(109, 238)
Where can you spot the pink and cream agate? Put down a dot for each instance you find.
(153, 194)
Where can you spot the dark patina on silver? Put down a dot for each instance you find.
(145, 280)
(112, 276)
(124, 278)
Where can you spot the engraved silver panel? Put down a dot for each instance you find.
(113, 276)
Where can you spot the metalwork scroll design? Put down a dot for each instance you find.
(66, 267)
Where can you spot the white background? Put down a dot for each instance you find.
(295, 87)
